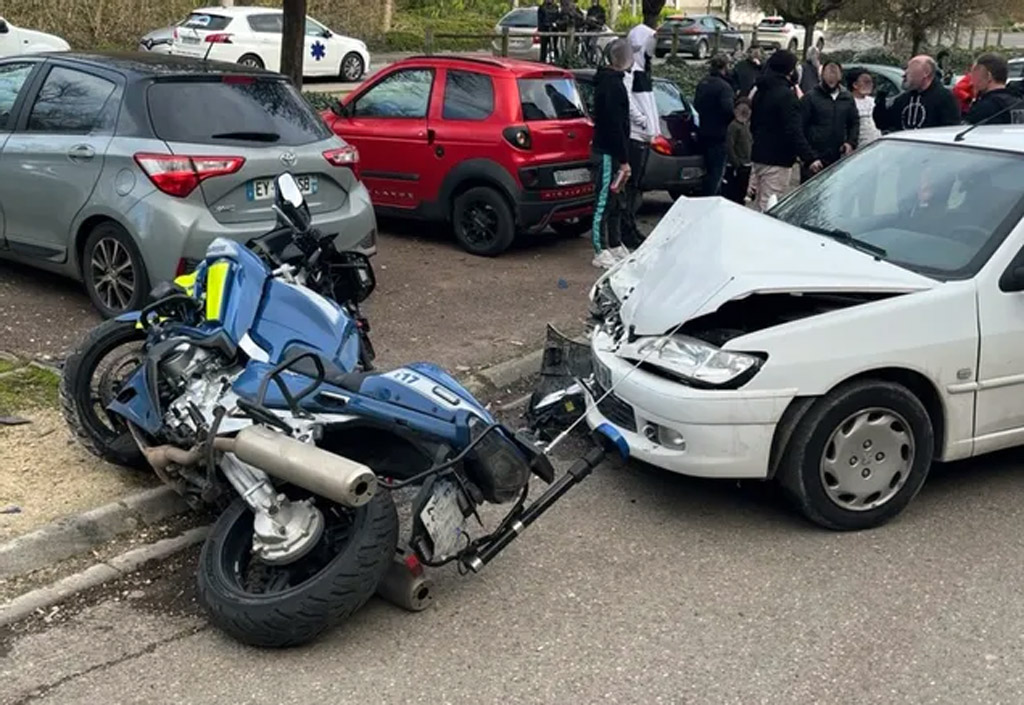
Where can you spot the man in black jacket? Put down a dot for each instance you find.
(611, 154)
(995, 102)
(749, 70)
(778, 130)
(547, 18)
(714, 102)
(830, 118)
(925, 103)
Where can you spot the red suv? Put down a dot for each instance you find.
(493, 146)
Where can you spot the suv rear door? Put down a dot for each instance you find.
(51, 163)
(262, 120)
(389, 122)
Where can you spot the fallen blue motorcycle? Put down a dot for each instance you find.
(249, 385)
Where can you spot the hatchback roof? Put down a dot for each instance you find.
(143, 64)
(496, 63)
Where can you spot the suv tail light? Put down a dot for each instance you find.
(178, 174)
(536, 39)
(661, 145)
(219, 38)
(347, 156)
(694, 29)
(518, 136)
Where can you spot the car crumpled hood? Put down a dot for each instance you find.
(708, 251)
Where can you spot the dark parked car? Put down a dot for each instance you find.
(675, 164)
(697, 35)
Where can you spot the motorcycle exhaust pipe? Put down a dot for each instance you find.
(404, 588)
(338, 479)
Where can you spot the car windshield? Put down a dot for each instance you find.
(772, 23)
(936, 209)
(550, 99)
(523, 17)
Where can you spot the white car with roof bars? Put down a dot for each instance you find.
(251, 36)
(18, 40)
(870, 324)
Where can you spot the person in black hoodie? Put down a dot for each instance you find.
(611, 154)
(547, 17)
(714, 101)
(777, 128)
(995, 102)
(748, 71)
(830, 118)
(925, 103)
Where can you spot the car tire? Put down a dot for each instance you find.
(352, 67)
(251, 61)
(483, 221)
(113, 271)
(859, 455)
(794, 45)
(702, 50)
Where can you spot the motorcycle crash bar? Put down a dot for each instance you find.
(339, 479)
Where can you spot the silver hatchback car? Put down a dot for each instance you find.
(119, 170)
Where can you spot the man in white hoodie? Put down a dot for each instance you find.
(644, 123)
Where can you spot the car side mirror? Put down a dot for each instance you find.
(342, 110)
(290, 204)
(326, 34)
(1012, 279)
(4, 28)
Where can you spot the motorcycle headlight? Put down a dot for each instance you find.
(699, 363)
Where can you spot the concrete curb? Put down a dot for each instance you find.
(24, 605)
(76, 534)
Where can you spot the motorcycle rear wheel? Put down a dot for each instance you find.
(258, 605)
(82, 402)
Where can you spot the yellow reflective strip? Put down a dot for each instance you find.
(187, 282)
(216, 280)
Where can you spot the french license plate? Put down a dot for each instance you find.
(189, 39)
(262, 189)
(443, 520)
(570, 177)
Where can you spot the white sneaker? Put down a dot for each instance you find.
(605, 260)
(620, 252)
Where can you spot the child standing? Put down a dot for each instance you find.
(862, 88)
(738, 143)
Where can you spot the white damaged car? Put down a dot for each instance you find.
(871, 324)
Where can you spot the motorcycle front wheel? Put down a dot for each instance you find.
(289, 605)
(89, 381)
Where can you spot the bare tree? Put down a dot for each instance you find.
(293, 40)
(806, 12)
(915, 18)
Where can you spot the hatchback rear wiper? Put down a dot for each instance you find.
(845, 237)
(248, 136)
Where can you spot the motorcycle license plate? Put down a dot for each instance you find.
(443, 519)
(570, 177)
(262, 189)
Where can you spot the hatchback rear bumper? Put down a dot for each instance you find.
(671, 173)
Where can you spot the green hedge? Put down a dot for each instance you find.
(320, 100)
(409, 31)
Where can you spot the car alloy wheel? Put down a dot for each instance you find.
(867, 459)
(251, 61)
(702, 49)
(352, 67)
(480, 223)
(113, 274)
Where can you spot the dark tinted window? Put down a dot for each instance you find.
(72, 102)
(207, 23)
(269, 24)
(586, 89)
(233, 110)
(550, 99)
(12, 78)
(708, 23)
(403, 94)
(468, 96)
(523, 17)
(1017, 69)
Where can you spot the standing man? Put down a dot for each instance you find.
(714, 102)
(778, 130)
(738, 143)
(989, 77)
(749, 70)
(810, 71)
(644, 122)
(547, 15)
(611, 154)
(830, 119)
(862, 87)
(925, 103)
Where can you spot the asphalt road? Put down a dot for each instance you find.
(640, 587)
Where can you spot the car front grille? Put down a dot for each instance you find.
(615, 410)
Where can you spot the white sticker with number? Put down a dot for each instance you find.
(443, 520)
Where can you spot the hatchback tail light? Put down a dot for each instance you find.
(536, 39)
(661, 145)
(518, 136)
(178, 174)
(347, 156)
(218, 38)
(692, 30)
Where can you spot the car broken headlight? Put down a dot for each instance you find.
(698, 363)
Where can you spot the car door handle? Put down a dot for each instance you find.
(431, 136)
(81, 152)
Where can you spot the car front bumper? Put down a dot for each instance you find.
(672, 173)
(698, 432)
(169, 229)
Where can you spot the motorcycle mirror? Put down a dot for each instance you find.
(289, 202)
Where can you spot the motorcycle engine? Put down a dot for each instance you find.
(197, 382)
